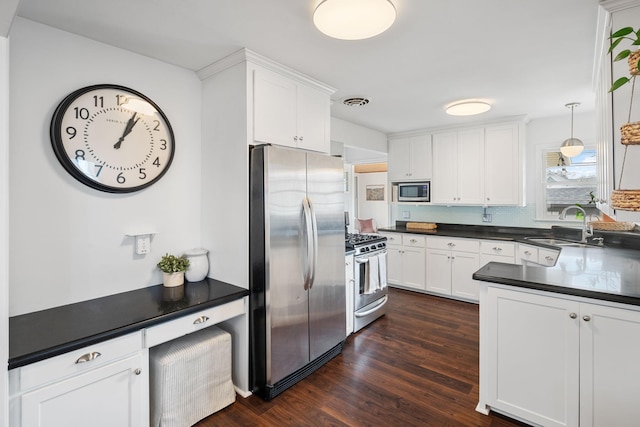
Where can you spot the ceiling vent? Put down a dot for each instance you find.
(355, 101)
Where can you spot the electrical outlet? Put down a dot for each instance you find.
(486, 218)
(143, 244)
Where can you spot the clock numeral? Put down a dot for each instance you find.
(81, 113)
(121, 99)
(120, 178)
(163, 144)
(71, 131)
(79, 154)
(143, 174)
(98, 101)
(156, 162)
(99, 167)
(157, 126)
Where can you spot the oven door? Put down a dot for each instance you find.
(362, 280)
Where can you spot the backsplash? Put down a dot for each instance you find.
(510, 216)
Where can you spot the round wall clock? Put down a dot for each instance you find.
(112, 138)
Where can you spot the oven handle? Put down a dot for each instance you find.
(374, 309)
(365, 259)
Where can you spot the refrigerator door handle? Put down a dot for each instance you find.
(308, 234)
(314, 246)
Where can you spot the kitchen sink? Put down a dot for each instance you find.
(560, 242)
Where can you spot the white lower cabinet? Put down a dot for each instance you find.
(406, 260)
(556, 361)
(451, 263)
(491, 250)
(102, 385)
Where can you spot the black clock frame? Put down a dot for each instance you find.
(58, 147)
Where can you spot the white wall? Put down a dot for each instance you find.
(4, 228)
(354, 135)
(379, 210)
(67, 240)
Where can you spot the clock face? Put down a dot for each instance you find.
(112, 138)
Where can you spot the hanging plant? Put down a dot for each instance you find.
(629, 132)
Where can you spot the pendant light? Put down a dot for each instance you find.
(573, 146)
(354, 19)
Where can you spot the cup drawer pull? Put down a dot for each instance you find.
(88, 357)
(201, 319)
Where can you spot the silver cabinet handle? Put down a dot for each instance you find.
(586, 318)
(295, 138)
(573, 315)
(549, 258)
(137, 372)
(301, 138)
(497, 249)
(201, 319)
(88, 357)
(413, 241)
(527, 253)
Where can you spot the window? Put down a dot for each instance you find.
(567, 181)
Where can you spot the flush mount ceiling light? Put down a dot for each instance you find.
(467, 108)
(354, 19)
(573, 146)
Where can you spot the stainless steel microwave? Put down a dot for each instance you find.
(414, 191)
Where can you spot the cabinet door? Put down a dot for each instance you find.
(394, 265)
(609, 368)
(413, 268)
(112, 395)
(471, 167)
(532, 358)
(399, 162)
(439, 271)
(463, 265)
(503, 169)
(420, 160)
(444, 188)
(313, 119)
(274, 109)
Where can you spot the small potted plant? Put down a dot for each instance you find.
(173, 269)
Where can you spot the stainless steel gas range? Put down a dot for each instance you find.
(370, 275)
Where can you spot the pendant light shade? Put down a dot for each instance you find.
(354, 19)
(573, 146)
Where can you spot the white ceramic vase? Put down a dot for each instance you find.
(171, 280)
(198, 265)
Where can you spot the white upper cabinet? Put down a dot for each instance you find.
(458, 167)
(409, 159)
(482, 166)
(289, 113)
(503, 171)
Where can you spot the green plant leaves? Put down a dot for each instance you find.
(620, 82)
(622, 55)
(622, 32)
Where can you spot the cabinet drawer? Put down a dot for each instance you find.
(393, 239)
(528, 253)
(72, 362)
(454, 244)
(492, 247)
(414, 240)
(548, 257)
(193, 322)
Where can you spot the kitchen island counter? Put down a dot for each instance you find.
(40, 335)
(608, 274)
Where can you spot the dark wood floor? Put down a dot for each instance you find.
(416, 366)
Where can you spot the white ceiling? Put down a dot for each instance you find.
(526, 56)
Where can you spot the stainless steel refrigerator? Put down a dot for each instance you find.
(297, 278)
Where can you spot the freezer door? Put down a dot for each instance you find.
(327, 293)
(286, 302)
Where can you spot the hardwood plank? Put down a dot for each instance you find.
(416, 366)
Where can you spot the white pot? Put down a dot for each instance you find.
(171, 280)
(198, 265)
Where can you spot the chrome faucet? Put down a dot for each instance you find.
(585, 232)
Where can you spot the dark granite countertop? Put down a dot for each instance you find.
(628, 240)
(610, 274)
(42, 334)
